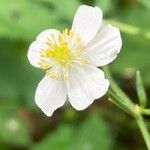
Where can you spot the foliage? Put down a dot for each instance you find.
(91, 134)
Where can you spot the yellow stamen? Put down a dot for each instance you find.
(62, 52)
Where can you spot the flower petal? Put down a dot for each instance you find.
(47, 34)
(50, 95)
(104, 48)
(85, 84)
(37, 46)
(87, 22)
(34, 54)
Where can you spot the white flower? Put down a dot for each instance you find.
(71, 58)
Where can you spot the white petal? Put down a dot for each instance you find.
(85, 84)
(87, 22)
(50, 95)
(34, 54)
(104, 48)
(37, 46)
(43, 36)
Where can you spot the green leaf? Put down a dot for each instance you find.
(65, 9)
(17, 77)
(140, 90)
(135, 48)
(145, 3)
(58, 140)
(92, 135)
(23, 20)
(26, 19)
(106, 5)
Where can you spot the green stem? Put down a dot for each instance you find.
(124, 99)
(143, 130)
(146, 111)
(120, 103)
(118, 97)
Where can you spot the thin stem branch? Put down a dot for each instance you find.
(118, 97)
(120, 103)
(146, 111)
(124, 99)
(143, 130)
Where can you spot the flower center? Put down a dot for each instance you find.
(61, 53)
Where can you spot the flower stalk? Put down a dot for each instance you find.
(143, 129)
(146, 111)
(120, 99)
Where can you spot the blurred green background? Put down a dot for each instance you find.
(100, 127)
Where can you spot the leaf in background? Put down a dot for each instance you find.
(136, 16)
(58, 140)
(140, 90)
(65, 9)
(145, 3)
(106, 5)
(17, 77)
(13, 129)
(135, 49)
(92, 135)
(23, 20)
